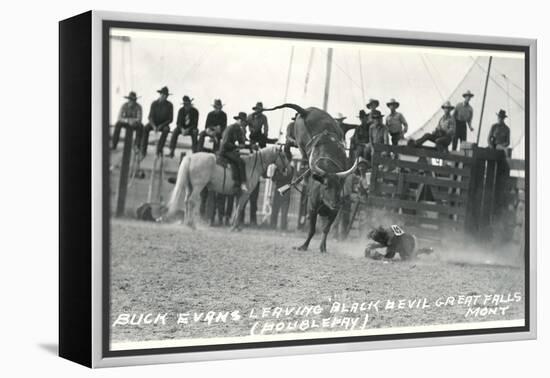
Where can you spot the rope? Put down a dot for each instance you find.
(308, 71)
(361, 76)
(519, 104)
(431, 76)
(418, 131)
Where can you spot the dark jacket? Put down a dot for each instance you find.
(232, 134)
(362, 134)
(214, 119)
(161, 113)
(188, 119)
(280, 179)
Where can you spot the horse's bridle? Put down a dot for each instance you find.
(258, 153)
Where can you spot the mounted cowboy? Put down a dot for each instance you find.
(321, 139)
(233, 139)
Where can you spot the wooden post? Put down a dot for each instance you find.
(484, 98)
(124, 171)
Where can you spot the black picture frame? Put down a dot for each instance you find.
(77, 77)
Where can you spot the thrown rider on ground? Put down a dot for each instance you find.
(394, 240)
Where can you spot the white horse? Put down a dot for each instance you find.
(200, 170)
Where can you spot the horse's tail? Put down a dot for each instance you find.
(298, 108)
(182, 186)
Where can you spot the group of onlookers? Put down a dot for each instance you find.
(226, 140)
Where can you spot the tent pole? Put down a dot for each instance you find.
(484, 98)
(327, 82)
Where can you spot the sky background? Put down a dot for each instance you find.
(243, 70)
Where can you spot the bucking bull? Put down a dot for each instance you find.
(321, 140)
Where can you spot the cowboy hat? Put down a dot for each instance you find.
(447, 105)
(132, 96)
(392, 102)
(468, 93)
(371, 102)
(218, 103)
(241, 116)
(376, 114)
(502, 113)
(164, 91)
(340, 116)
(187, 99)
(259, 106)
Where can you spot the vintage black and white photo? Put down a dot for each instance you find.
(270, 188)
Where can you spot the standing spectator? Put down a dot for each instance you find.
(186, 124)
(444, 132)
(129, 116)
(290, 137)
(344, 218)
(463, 116)
(396, 122)
(161, 116)
(360, 139)
(499, 135)
(372, 105)
(378, 131)
(209, 141)
(281, 202)
(258, 127)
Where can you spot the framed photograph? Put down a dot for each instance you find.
(234, 188)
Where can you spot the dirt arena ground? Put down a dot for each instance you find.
(169, 268)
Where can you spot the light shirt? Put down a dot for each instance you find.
(464, 112)
(395, 122)
(447, 124)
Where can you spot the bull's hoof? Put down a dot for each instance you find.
(301, 248)
(323, 250)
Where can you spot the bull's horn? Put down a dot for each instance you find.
(314, 168)
(349, 171)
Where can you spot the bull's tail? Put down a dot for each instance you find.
(298, 108)
(182, 186)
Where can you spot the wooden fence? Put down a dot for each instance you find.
(434, 193)
(423, 189)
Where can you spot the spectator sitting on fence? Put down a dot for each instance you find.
(443, 134)
(161, 116)
(499, 135)
(394, 240)
(396, 122)
(130, 115)
(216, 122)
(258, 126)
(186, 124)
